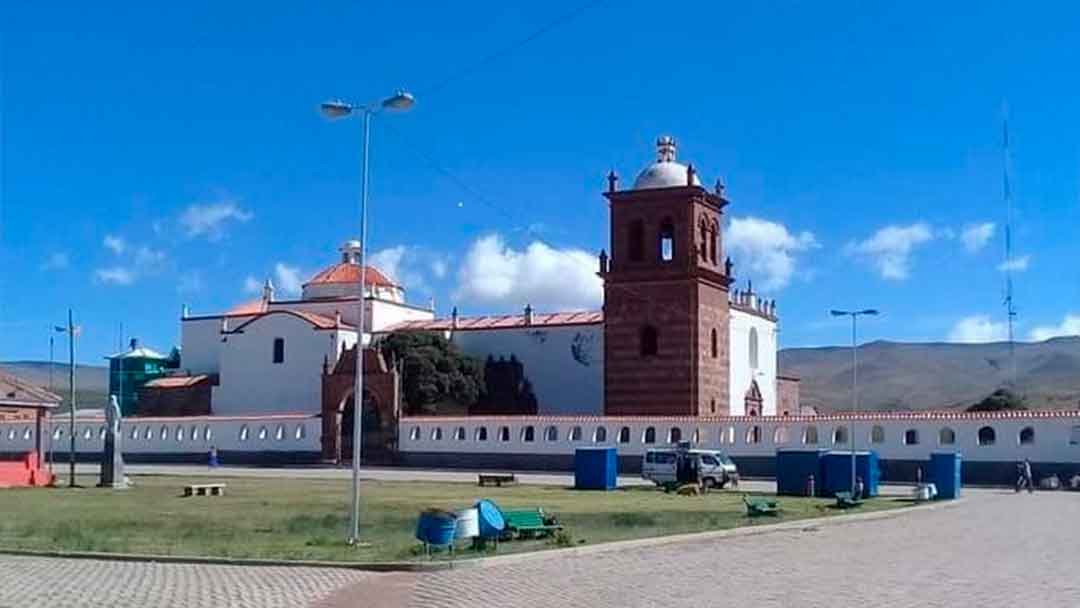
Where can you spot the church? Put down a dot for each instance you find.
(674, 337)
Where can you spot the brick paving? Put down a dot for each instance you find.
(995, 549)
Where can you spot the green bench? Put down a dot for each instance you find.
(529, 523)
(760, 506)
(845, 500)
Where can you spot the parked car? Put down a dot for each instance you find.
(717, 469)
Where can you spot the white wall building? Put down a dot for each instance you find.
(268, 354)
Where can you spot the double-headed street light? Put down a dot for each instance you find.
(400, 101)
(854, 314)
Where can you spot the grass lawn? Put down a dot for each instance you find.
(307, 519)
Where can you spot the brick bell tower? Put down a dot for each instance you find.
(665, 295)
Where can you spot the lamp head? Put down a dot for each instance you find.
(335, 108)
(838, 313)
(401, 101)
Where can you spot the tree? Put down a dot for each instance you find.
(1002, 399)
(434, 371)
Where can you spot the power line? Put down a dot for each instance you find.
(1010, 311)
(503, 52)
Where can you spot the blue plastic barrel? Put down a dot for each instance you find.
(492, 522)
(436, 528)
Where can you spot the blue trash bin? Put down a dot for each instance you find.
(945, 474)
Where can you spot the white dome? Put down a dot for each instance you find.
(665, 172)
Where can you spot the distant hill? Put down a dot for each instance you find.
(896, 376)
(91, 381)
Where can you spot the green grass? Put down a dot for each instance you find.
(307, 519)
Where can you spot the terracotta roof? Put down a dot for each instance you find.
(17, 392)
(176, 381)
(252, 307)
(501, 322)
(319, 321)
(345, 272)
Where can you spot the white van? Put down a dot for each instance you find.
(717, 470)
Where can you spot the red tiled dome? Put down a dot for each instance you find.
(350, 273)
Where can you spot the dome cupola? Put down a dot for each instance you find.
(666, 172)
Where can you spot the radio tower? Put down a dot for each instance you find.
(1010, 311)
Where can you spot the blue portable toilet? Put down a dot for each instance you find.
(836, 470)
(793, 471)
(945, 474)
(596, 468)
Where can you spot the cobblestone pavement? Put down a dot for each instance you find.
(994, 549)
(32, 582)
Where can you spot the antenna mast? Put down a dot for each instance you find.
(1010, 311)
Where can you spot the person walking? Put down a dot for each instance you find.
(1028, 479)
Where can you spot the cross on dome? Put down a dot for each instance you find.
(665, 149)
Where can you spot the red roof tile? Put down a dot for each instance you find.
(253, 307)
(15, 391)
(501, 322)
(175, 381)
(319, 321)
(350, 273)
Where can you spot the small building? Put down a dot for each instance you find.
(23, 401)
(130, 370)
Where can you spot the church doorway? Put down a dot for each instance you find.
(373, 446)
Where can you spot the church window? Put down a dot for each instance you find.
(753, 348)
(712, 406)
(262, 433)
(649, 436)
(436, 434)
(780, 435)
(301, 433)
(551, 433)
(753, 434)
(279, 432)
(481, 433)
(504, 433)
(637, 241)
(414, 434)
(243, 433)
(667, 240)
(649, 341)
(459, 433)
(600, 436)
(839, 436)
(911, 437)
(704, 230)
(279, 350)
(714, 243)
(624, 435)
(179, 433)
(207, 433)
(575, 434)
(809, 436)
(986, 436)
(194, 433)
(715, 348)
(528, 434)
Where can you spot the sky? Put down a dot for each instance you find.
(157, 155)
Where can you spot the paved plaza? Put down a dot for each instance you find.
(994, 549)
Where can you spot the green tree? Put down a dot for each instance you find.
(1000, 400)
(434, 371)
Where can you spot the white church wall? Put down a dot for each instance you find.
(383, 314)
(565, 364)
(252, 383)
(741, 372)
(200, 344)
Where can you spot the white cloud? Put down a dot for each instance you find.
(494, 274)
(209, 220)
(252, 285)
(116, 275)
(1069, 326)
(389, 261)
(976, 236)
(889, 249)
(288, 278)
(766, 250)
(115, 243)
(977, 329)
(58, 260)
(1019, 264)
(148, 260)
(439, 268)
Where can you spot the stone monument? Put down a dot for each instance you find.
(112, 457)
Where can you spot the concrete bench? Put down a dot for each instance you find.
(205, 489)
(496, 479)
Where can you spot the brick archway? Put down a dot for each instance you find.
(380, 411)
(753, 400)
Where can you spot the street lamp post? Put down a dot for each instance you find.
(72, 332)
(400, 101)
(854, 314)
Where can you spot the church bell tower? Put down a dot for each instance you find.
(665, 294)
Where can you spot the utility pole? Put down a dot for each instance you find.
(1010, 311)
(71, 389)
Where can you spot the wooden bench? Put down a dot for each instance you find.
(529, 523)
(496, 479)
(205, 489)
(760, 506)
(845, 500)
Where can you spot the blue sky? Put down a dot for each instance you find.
(160, 155)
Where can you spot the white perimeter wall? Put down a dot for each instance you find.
(565, 363)
(174, 435)
(251, 383)
(740, 371)
(1056, 438)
